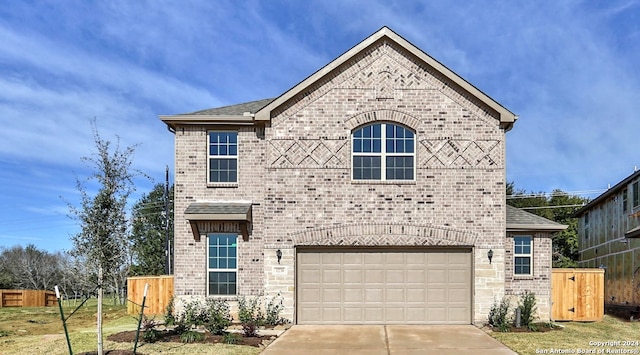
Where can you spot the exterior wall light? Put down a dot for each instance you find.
(279, 255)
(490, 255)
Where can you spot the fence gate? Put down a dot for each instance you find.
(577, 294)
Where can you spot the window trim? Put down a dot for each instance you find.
(383, 154)
(236, 157)
(210, 270)
(523, 255)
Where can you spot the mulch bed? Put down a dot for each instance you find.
(171, 336)
(540, 328)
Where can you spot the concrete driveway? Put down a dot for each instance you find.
(389, 339)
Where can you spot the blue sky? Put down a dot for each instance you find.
(569, 69)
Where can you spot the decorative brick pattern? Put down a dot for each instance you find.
(385, 235)
(460, 153)
(309, 153)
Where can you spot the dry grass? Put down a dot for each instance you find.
(39, 330)
(575, 336)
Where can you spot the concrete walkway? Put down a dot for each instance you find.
(385, 340)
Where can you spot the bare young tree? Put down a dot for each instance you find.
(103, 239)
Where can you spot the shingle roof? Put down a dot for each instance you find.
(518, 219)
(234, 110)
(215, 207)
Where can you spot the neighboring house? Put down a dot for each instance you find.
(371, 192)
(609, 237)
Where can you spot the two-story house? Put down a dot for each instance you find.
(609, 238)
(371, 192)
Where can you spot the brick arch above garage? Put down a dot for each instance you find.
(385, 235)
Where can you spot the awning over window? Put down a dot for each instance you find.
(199, 212)
(633, 233)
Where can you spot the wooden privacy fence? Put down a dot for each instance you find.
(158, 296)
(27, 298)
(577, 294)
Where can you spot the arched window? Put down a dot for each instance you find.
(383, 151)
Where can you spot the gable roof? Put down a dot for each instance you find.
(520, 220)
(507, 118)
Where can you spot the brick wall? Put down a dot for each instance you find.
(540, 281)
(298, 176)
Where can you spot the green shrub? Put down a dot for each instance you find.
(191, 336)
(528, 308)
(219, 316)
(151, 334)
(499, 314)
(193, 315)
(231, 338)
(250, 315)
(169, 318)
(273, 307)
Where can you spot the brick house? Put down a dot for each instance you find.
(371, 192)
(609, 237)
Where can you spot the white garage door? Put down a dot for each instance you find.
(383, 286)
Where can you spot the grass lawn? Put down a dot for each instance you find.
(577, 336)
(38, 330)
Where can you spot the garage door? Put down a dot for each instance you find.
(375, 286)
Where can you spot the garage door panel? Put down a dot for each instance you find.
(331, 259)
(352, 276)
(353, 314)
(353, 259)
(353, 295)
(373, 314)
(373, 258)
(331, 295)
(311, 276)
(437, 276)
(416, 295)
(416, 276)
(394, 295)
(373, 276)
(394, 258)
(310, 295)
(331, 276)
(383, 286)
(458, 276)
(394, 314)
(395, 276)
(373, 295)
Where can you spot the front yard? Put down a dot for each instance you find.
(38, 330)
(611, 336)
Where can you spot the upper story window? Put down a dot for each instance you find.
(625, 202)
(523, 256)
(222, 264)
(636, 194)
(383, 151)
(223, 157)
